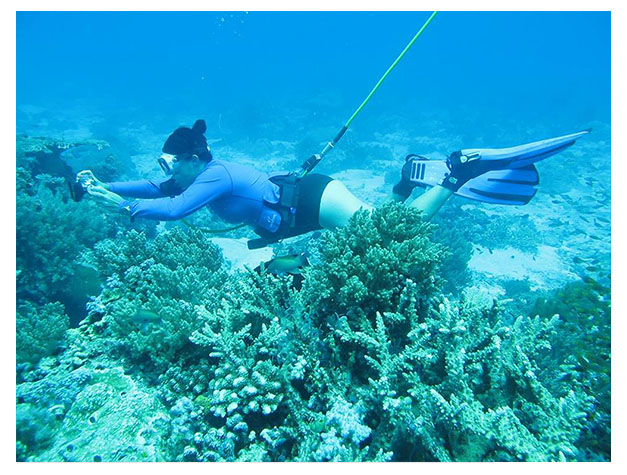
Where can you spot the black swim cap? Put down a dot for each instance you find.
(185, 140)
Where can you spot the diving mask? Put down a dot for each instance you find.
(166, 162)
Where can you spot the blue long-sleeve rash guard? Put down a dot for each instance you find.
(234, 192)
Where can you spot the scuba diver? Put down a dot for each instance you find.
(282, 205)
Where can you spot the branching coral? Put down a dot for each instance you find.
(39, 330)
(52, 230)
(50, 234)
(147, 303)
(367, 361)
(364, 266)
(583, 341)
(465, 387)
(246, 338)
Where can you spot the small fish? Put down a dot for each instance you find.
(602, 219)
(511, 257)
(592, 268)
(587, 220)
(290, 264)
(490, 251)
(578, 260)
(596, 238)
(142, 318)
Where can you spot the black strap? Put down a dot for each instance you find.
(288, 201)
(286, 207)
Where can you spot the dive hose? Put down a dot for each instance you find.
(312, 161)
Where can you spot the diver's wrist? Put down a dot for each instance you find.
(125, 208)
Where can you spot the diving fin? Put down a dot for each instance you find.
(510, 177)
(515, 186)
(511, 186)
(526, 154)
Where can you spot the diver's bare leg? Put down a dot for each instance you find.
(431, 201)
(338, 204)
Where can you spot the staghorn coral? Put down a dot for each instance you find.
(464, 387)
(583, 341)
(443, 382)
(435, 381)
(246, 339)
(368, 361)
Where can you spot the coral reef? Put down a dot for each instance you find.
(179, 360)
(60, 158)
(147, 304)
(451, 232)
(90, 414)
(585, 305)
(39, 330)
(494, 231)
(52, 231)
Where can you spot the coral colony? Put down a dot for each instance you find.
(179, 359)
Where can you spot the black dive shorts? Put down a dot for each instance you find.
(308, 210)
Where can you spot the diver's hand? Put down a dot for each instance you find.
(105, 198)
(87, 179)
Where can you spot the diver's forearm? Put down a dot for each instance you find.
(143, 189)
(431, 201)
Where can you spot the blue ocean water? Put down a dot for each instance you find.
(139, 340)
(478, 67)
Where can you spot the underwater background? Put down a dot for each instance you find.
(483, 335)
